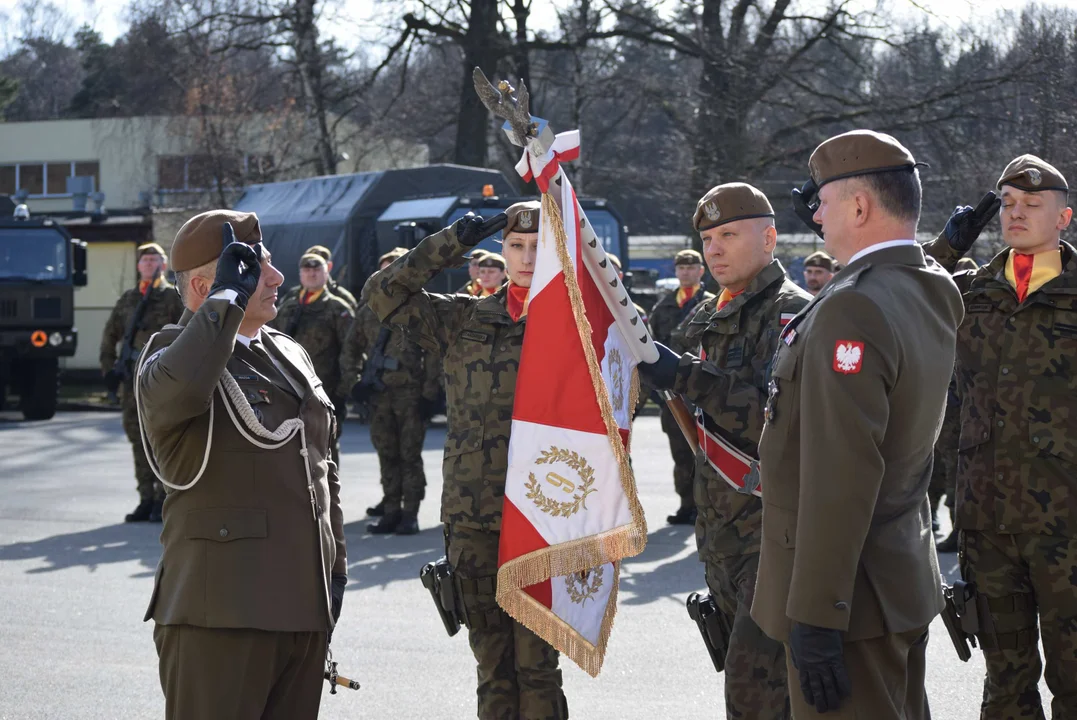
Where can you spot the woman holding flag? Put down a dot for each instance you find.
(480, 341)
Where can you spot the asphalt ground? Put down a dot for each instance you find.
(75, 581)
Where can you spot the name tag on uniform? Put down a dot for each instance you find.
(1066, 329)
(981, 307)
(475, 336)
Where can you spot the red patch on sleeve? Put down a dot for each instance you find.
(848, 356)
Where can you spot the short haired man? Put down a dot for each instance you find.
(334, 287)
(733, 338)
(473, 286)
(491, 274)
(237, 426)
(143, 310)
(669, 312)
(1016, 493)
(818, 269)
(848, 575)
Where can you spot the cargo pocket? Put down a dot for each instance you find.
(225, 525)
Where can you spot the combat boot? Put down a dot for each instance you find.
(409, 524)
(141, 513)
(378, 510)
(387, 524)
(684, 516)
(155, 513)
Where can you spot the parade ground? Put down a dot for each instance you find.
(75, 581)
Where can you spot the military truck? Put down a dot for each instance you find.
(40, 267)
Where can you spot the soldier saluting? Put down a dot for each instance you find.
(848, 575)
(736, 335)
(253, 568)
(1017, 462)
(138, 314)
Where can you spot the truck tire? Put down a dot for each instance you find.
(37, 392)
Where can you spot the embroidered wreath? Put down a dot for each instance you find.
(579, 589)
(617, 379)
(565, 508)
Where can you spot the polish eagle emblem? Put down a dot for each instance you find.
(848, 356)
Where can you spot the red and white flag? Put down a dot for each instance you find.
(571, 512)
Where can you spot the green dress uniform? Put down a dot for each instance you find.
(857, 392)
(480, 344)
(163, 307)
(240, 433)
(1017, 469)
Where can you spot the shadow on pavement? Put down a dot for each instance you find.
(91, 548)
(378, 560)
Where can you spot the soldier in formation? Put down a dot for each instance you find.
(334, 287)
(818, 269)
(480, 340)
(138, 314)
(319, 321)
(400, 383)
(848, 574)
(733, 338)
(253, 565)
(473, 286)
(491, 274)
(1016, 379)
(671, 310)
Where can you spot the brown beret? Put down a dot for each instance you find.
(1031, 174)
(821, 260)
(492, 260)
(477, 254)
(726, 203)
(615, 260)
(688, 257)
(321, 251)
(523, 217)
(392, 255)
(150, 249)
(860, 152)
(311, 260)
(199, 241)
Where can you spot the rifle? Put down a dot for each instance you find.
(121, 370)
(377, 361)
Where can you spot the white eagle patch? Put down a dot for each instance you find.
(848, 356)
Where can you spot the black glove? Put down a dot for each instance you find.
(238, 268)
(427, 408)
(818, 655)
(361, 393)
(661, 374)
(473, 229)
(966, 224)
(805, 203)
(337, 591)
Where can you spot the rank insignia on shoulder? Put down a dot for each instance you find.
(848, 356)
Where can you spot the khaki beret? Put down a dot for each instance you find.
(392, 255)
(150, 249)
(966, 263)
(492, 260)
(1031, 174)
(311, 260)
(726, 203)
(688, 257)
(523, 217)
(615, 260)
(821, 260)
(860, 152)
(200, 241)
(477, 254)
(321, 251)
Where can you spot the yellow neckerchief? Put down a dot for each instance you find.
(1046, 266)
(724, 297)
(683, 294)
(142, 285)
(306, 297)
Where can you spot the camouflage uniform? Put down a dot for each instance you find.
(322, 328)
(730, 386)
(334, 287)
(480, 345)
(1017, 479)
(397, 428)
(164, 308)
(665, 316)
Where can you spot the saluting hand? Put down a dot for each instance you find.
(819, 656)
(238, 269)
(473, 229)
(966, 223)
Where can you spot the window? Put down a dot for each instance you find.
(196, 173)
(46, 179)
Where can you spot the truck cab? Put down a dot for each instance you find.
(40, 267)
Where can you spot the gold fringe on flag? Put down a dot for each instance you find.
(592, 551)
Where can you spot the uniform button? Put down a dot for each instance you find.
(1005, 371)
(1001, 476)
(213, 316)
(734, 326)
(1001, 424)
(1001, 526)
(985, 436)
(224, 532)
(1036, 440)
(841, 605)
